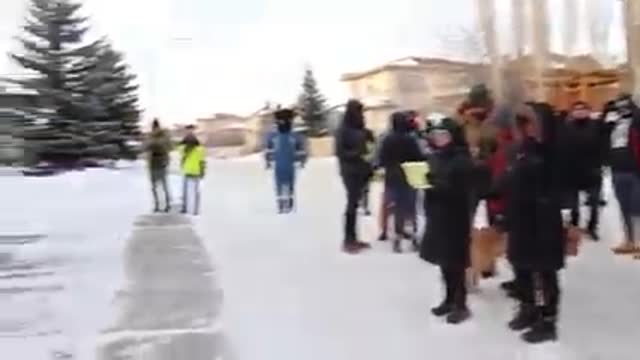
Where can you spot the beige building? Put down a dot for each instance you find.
(413, 83)
(221, 130)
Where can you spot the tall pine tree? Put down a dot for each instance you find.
(54, 51)
(111, 97)
(313, 105)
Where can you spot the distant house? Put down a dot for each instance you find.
(412, 83)
(222, 129)
(13, 98)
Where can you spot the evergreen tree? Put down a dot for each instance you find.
(111, 97)
(54, 51)
(313, 106)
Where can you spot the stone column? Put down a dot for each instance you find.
(519, 24)
(540, 46)
(631, 11)
(486, 14)
(570, 29)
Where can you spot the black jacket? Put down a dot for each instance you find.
(398, 147)
(534, 220)
(581, 152)
(351, 148)
(446, 239)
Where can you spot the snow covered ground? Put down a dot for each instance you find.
(289, 293)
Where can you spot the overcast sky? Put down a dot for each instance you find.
(197, 57)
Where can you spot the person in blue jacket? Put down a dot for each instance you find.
(284, 149)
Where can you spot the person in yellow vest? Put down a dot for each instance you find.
(193, 157)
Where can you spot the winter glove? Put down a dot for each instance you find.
(566, 216)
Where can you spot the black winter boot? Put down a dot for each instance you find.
(458, 315)
(445, 308)
(414, 243)
(543, 330)
(524, 318)
(397, 245)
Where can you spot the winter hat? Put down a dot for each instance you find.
(284, 114)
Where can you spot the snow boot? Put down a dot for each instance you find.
(592, 231)
(443, 309)
(397, 246)
(415, 244)
(625, 248)
(543, 330)
(290, 205)
(525, 318)
(363, 245)
(351, 248)
(458, 315)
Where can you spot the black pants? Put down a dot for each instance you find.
(594, 207)
(364, 201)
(455, 287)
(404, 206)
(540, 289)
(354, 186)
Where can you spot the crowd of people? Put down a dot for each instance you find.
(528, 164)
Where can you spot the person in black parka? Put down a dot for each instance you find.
(534, 223)
(581, 139)
(447, 237)
(399, 147)
(355, 170)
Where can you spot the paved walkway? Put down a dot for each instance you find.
(170, 307)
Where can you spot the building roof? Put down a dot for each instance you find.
(222, 117)
(410, 62)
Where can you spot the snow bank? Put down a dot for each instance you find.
(59, 289)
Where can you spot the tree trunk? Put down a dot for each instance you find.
(632, 27)
(486, 13)
(540, 43)
(519, 25)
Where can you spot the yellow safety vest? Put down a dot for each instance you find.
(193, 162)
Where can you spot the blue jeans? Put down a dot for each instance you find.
(404, 200)
(194, 183)
(627, 189)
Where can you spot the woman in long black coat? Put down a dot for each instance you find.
(534, 224)
(446, 239)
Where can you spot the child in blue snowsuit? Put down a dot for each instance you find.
(284, 149)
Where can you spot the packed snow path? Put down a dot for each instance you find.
(170, 306)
